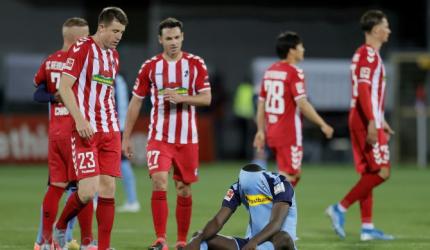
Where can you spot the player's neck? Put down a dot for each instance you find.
(98, 41)
(373, 42)
(66, 46)
(290, 60)
(173, 57)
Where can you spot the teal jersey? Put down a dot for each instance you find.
(257, 191)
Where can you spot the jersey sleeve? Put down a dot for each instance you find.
(232, 197)
(40, 77)
(142, 85)
(76, 58)
(202, 78)
(296, 84)
(263, 93)
(364, 71)
(282, 190)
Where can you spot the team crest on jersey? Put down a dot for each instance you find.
(229, 195)
(258, 199)
(69, 64)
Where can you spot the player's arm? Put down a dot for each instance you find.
(277, 218)
(42, 95)
(130, 120)
(259, 138)
(211, 229)
(203, 98)
(311, 114)
(82, 126)
(365, 103)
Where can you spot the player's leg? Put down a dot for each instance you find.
(186, 162)
(221, 242)
(71, 224)
(159, 160)
(129, 185)
(289, 161)
(282, 240)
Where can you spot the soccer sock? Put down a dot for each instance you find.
(72, 221)
(160, 211)
(105, 215)
(39, 239)
(50, 209)
(366, 204)
(183, 216)
(73, 206)
(128, 181)
(294, 182)
(85, 218)
(366, 183)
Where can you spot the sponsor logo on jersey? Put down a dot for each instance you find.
(69, 64)
(103, 80)
(229, 195)
(258, 199)
(61, 111)
(179, 91)
(365, 73)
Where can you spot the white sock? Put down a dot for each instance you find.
(367, 226)
(341, 208)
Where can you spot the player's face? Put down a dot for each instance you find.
(382, 31)
(299, 52)
(111, 34)
(171, 39)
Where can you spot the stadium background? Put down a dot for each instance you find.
(236, 39)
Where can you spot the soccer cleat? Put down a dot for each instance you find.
(72, 245)
(91, 246)
(129, 208)
(59, 238)
(337, 220)
(374, 234)
(36, 246)
(159, 244)
(180, 245)
(46, 246)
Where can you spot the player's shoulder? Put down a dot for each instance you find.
(82, 45)
(195, 59)
(150, 62)
(365, 52)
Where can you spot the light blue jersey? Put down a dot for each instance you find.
(257, 191)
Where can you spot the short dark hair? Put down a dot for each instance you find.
(75, 21)
(170, 22)
(287, 40)
(370, 19)
(109, 14)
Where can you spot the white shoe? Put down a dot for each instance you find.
(129, 208)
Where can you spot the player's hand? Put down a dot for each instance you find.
(84, 129)
(57, 97)
(127, 148)
(172, 96)
(372, 133)
(259, 140)
(251, 245)
(327, 130)
(388, 130)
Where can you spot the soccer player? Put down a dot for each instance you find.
(86, 88)
(282, 101)
(177, 82)
(131, 205)
(60, 162)
(368, 129)
(270, 201)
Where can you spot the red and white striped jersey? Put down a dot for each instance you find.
(94, 69)
(281, 86)
(60, 121)
(367, 68)
(172, 123)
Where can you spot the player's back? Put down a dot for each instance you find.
(258, 191)
(61, 122)
(282, 84)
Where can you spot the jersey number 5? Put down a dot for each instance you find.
(275, 103)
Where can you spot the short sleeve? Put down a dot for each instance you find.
(366, 65)
(263, 91)
(202, 78)
(232, 197)
(142, 84)
(282, 190)
(76, 58)
(297, 84)
(40, 76)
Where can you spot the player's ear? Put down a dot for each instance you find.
(159, 39)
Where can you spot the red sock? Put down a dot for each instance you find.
(85, 218)
(366, 208)
(294, 182)
(160, 211)
(50, 209)
(366, 183)
(73, 206)
(183, 216)
(105, 215)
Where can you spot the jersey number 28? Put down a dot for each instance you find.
(275, 103)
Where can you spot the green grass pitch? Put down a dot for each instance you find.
(401, 207)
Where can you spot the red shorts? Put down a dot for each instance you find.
(60, 161)
(289, 158)
(369, 158)
(185, 159)
(100, 155)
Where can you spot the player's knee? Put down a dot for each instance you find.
(59, 184)
(87, 194)
(282, 241)
(183, 189)
(159, 183)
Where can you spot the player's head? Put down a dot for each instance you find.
(73, 29)
(111, 26)
(171, 35)
(290, 45)
(374, 23)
